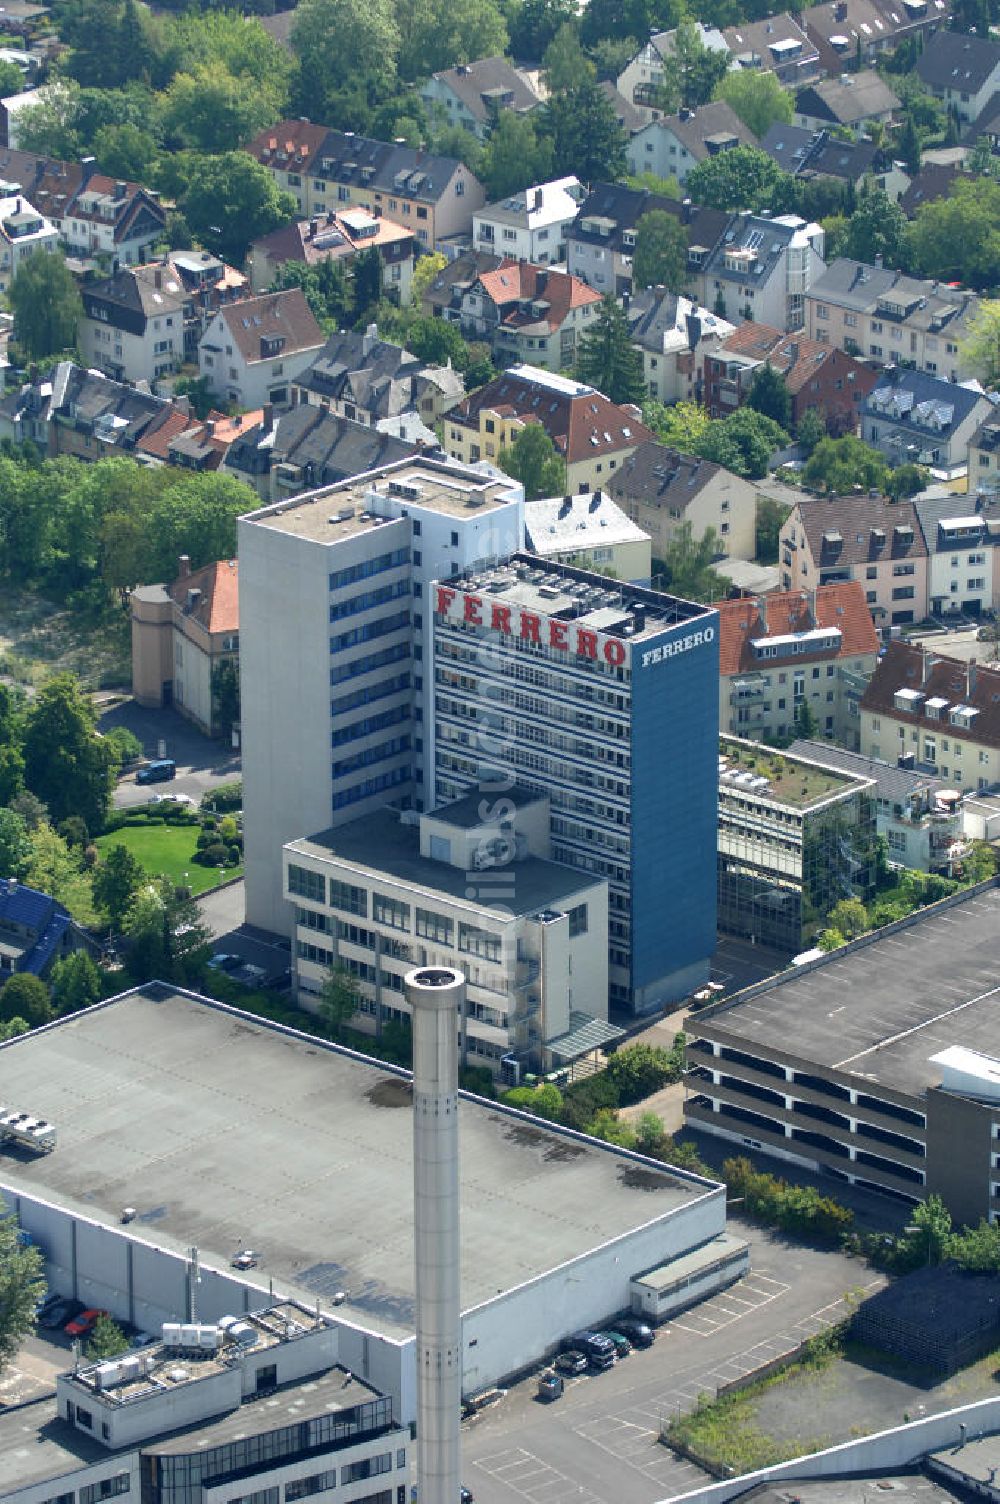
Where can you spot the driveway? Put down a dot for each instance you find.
(202, 764)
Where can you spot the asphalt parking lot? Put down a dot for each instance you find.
(599, 1443)
(202, 764)
(33, 1370)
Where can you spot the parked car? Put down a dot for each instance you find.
(174, 799)
(57, 1315)
(247, 1258)
(466, 1495)
(597, 1348)
(224, 960)
(83, 1323)
(44, 1305)
(620, 1342)
(253, 975)
(160, 771)
(571, 1362)
(550, 1386)
(639, 1333)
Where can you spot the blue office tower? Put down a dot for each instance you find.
(605, 697)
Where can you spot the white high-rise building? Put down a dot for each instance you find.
(335, 647)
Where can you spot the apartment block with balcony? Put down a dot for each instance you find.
(600, 242)
(874, 1066)
(593, 436)
(864, 538)
(795, 837)
(779, 652)
(920, 818)
(762, 269)
(984, 459)
(530, 225)
(817, 377)
(22, 231)
(526, 313)
(917, 419)
(133, 324)
(472, 886)
(962, 536)
(939, 714)
(641, 80)
(888, 318)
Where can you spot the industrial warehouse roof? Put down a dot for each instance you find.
(222, 1129)
(880, 1009)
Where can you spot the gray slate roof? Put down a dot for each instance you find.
(662, 477)
(329, 449)
(892, 784)
(846, 102)
(470, 82)
(951, 403)
(809, 153)
(954, 60)
(932, 511)
(856, 286)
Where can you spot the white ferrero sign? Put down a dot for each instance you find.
(678, 645)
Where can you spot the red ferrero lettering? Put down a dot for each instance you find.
(614, 652)
(586, 644)
(500, 619)
(444, 599)
(558, 634)
(530, 624)
(472, 605)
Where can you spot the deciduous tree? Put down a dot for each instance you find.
(336, 40)
(67, 764)
(46, 305)
(758, 98)
(514, 156)
(838, 465)
(686, 562)
(586, 137)
(21, 1287)
(743, 178)
(76, 983)
(115, 881)
(232, 199)
(769, 395)
(26, 996)
(532, 459)
(339, 999)
(661, 251)
(15, 845)
(771, 518)
(980, 350)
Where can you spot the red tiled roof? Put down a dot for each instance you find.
(584, 425)
(156, 441)
(219, 607)
(793, 355)
(842, 605)
(522, 281)
(908, 666)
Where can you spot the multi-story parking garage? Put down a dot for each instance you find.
(876, 1065)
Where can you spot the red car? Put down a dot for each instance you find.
(83, 1324)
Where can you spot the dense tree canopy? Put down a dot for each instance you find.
(586, 137)
(957, 239)
(230, 200)
(743, 178)
(21, 1287)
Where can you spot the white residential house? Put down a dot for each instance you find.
(671, 145)
(22, 232)
(133, 324)
(763, 268)
(641, 81)
(962, 71)
(530, 226)
(251, 352)
(473, 94)
(673, 335)
(913, 418)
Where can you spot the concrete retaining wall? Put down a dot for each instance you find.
(886, 1451)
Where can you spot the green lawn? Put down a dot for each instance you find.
(167, 849)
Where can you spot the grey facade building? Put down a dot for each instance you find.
(875, 1065)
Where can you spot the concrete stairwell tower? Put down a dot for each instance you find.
(436, 995)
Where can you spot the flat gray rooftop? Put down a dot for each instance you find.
(223, 1132)
(36, 1444)
(378, 843)
(883, 1010)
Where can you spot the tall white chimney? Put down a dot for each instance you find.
(436, 995)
